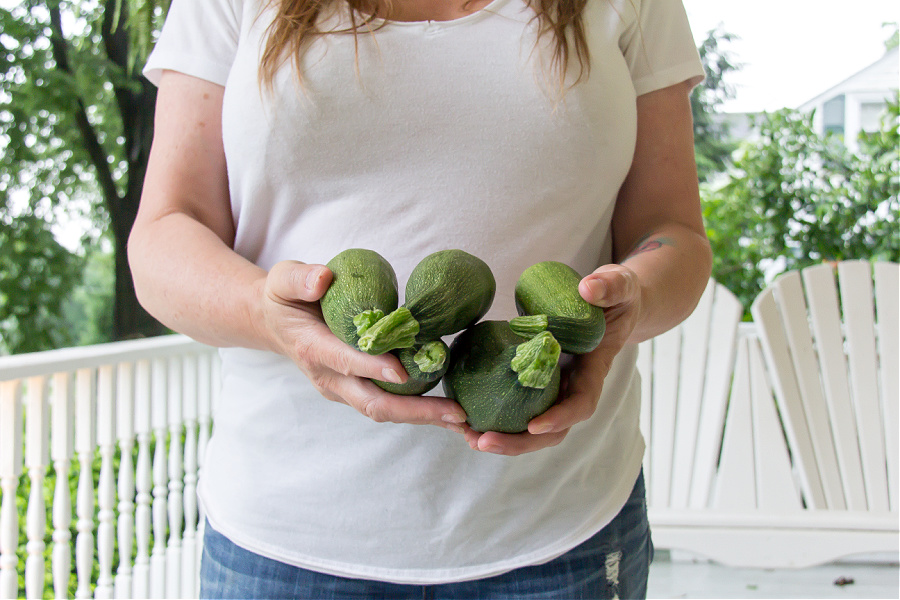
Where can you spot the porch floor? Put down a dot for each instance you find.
(687, 579)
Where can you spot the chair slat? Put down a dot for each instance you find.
(735, 487)
(855, 279)
(776, 490)
(779, 362)
(789, 294)
(693, 369)
(666, 357)
(726, 315)
(887, 303)
(825, 318)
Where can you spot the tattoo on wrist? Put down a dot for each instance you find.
(649, 244)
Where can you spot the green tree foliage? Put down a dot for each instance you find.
(894, 39)
(36, 276)
(797, 198)
(713, 144)
(88, 309)
(75, 129)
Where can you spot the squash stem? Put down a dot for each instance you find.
(366, 319)
(529, 326)
(536, 360)
(431, 356)
(395, 330)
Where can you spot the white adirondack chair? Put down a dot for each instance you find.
(830, 347)
(760, 469)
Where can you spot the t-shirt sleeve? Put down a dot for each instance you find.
(659, 46)
(199, 38)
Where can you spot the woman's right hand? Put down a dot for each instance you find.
(296, 329)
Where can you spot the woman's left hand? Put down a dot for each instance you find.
(617, 290)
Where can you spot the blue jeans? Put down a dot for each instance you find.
(612, 564)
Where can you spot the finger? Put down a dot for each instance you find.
(383, 407)
(318, 341)
(515, 444)
(290, 281)
(561, 417)
(584, 383)
(609, 285)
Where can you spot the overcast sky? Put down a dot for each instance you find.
(794, 49)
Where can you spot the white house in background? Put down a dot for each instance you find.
(857, 103)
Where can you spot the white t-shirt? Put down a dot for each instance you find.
(434, 135)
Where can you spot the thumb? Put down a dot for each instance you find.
(609, 285)
(291, 281)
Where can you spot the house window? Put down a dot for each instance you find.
(833, 115)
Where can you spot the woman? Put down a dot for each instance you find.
(516, 130)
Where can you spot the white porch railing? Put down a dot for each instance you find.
(130, 420)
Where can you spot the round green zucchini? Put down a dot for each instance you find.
(363, 290)
(488, 365)
(446, 292)
(547, 298)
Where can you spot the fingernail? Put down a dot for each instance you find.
(541, 429)
(493, 449)
(598, 289)
(453, 418)
(455, 428)
(390, 375)
(312, 277)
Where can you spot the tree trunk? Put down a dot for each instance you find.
(130, 320)
(136, 103)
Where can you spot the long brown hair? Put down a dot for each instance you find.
(296, 24)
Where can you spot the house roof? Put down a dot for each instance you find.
(880, 76)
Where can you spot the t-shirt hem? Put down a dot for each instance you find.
(591, 527)
(686, 71)
(195, 66)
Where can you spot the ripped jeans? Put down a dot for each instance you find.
(614, 563)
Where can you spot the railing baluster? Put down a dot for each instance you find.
(143, 481)
(189, 403)
(106, 487)
(62, 447)
(176, 481)
(158, 422)
(10, 471)
(204, 424)
(125, 435)
(84, 502)
(37, 457)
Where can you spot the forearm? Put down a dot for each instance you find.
(192, 282)
(672, 265)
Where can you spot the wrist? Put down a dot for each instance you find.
(258, 316)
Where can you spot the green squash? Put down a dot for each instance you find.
(446, 292)
(501, 379)
(363, 290)
(547, 298)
